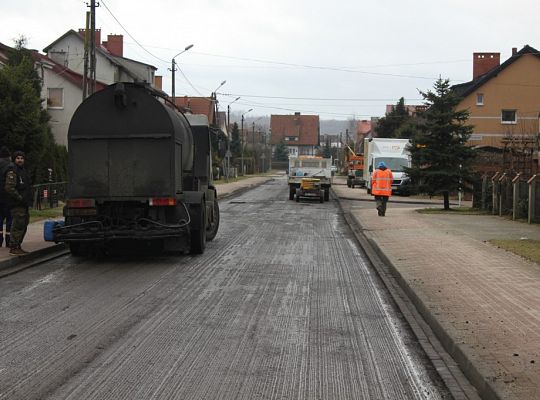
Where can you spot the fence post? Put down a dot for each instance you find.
(501, 194)
(532, 196)
(483, 201)
(515, 197)
(494, 193)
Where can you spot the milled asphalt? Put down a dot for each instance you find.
(482, 302)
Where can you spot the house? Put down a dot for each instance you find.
(300, 133)
(62, 72)
(503, 99)
(198, 105)
(111, 65)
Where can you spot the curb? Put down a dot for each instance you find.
(466, 366)
(482, 385)
(242, 190)
(32, 256)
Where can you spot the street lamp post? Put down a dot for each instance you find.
(242, 133)
(253, 144)
(229, 111)
(228, 154)
(214, 99)
(173, 69)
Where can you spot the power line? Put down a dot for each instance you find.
(129, 34)
(306, 98)
(318, 67)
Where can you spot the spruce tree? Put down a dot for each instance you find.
(281, 153)
(327, 152)
(23, 122)
(441, 161)
(236, 145)
(389, 125)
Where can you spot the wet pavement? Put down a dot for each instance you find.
(481, 301)
(283, 304)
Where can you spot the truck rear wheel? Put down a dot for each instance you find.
(198, 233)
(212, 228)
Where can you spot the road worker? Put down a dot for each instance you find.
(381, 186)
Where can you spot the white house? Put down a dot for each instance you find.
(63, 68)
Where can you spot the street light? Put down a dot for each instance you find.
(253, 144)
(173, 69)
(228, 154)
(229, 111)
(220, 85)
(213, 97)
(242, 132)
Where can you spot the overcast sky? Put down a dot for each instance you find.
(340, 59)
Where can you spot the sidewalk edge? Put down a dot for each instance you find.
(459, 355)
(15, 261)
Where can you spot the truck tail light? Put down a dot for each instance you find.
(81, 203)
(162, 201)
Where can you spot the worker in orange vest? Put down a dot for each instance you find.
(381, 186)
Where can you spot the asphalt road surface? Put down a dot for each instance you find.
(282, 305)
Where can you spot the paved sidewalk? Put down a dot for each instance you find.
(482, 302)
(35, 244)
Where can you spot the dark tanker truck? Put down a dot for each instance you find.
(139, 174)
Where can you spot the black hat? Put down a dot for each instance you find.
(17, 154)
(4, 152)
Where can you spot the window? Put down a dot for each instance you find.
(479, 99)
(508, 117)
(55, 98)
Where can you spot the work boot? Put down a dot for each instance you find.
(7, 240)
(20, 248)
(15, 251)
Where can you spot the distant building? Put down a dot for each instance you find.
(412, 109)
(300, 133)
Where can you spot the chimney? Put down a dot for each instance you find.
(485, 62)
(97, 35)
(514, 51)
(158, 82)
(115, 45)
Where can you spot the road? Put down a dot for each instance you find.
(282, 305)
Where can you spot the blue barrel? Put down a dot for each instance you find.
(48, 227)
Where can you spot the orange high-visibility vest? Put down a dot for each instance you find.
(381, 182)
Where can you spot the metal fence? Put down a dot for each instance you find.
(509, 195)
(49, 195)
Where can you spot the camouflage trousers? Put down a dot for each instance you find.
(21, 218)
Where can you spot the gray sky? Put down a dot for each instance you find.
(339, 59)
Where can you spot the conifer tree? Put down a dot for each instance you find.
(441, 161)
(389, 125)
(23, 122)
(281, 153)
(236, 145)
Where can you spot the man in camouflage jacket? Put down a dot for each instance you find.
(19, 198)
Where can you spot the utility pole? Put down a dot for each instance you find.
(86, 55)
(92, 79)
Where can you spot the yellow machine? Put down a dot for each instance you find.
(310, 188)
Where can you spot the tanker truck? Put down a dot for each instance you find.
(139, 174)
